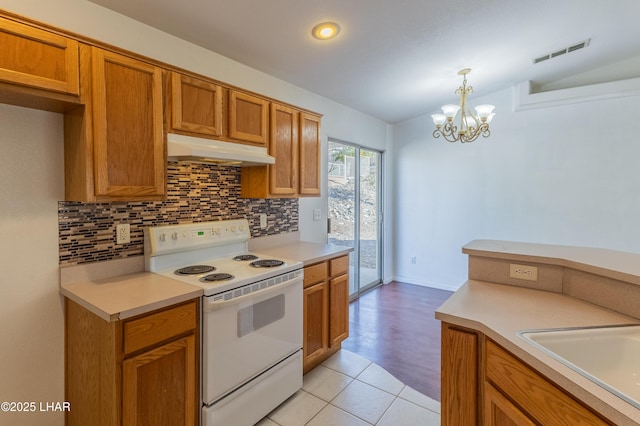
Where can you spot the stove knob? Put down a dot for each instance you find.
(233, 228)
(241, 228)
(174, 236)
(162, 237)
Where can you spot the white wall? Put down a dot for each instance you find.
(31, 313)
(560, 175)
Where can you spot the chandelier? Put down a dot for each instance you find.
(470, 126)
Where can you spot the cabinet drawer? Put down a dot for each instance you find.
(315, 273)
(339, 265)
(543, 401)
(150, 329)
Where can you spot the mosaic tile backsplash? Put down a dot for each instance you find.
(195, 193)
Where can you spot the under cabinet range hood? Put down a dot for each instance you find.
(200, 150)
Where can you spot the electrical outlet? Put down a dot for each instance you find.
(263, 220)
(317, 214)
(523, 272)
(413, 260)
(123, 233)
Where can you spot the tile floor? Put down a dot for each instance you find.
(347, 390)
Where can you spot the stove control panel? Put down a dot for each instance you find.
(173, 238)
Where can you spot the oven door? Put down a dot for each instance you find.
(246, 335)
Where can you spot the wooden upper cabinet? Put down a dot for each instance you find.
(309, 173)
(38, 59)
(295, 144)
(114, 145)
(283, 175)
(196, 105)
(128, 137)
(248, 118)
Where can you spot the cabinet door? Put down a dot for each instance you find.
(129, 157)
(283, 175)
(196, 105)
(248, 118)
(338, 310)
(499, 411)
(315, 323)
(159, 386)
(459, 396)
(37, 58)
(309, 155)
(543, 400)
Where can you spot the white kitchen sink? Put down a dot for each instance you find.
(608, 356)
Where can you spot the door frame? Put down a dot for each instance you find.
(356, 254)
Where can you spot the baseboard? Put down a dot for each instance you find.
(439, 286)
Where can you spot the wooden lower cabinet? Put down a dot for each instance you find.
(500, 411)
(139, 371)
(158, 386)
(482, 383)
(315, 342)
(326, 310)
(536, 397)
(459, 378)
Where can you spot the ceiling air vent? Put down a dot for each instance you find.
(572, 48)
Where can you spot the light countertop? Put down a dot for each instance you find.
(119, 289)
(307, 253)
(127, 294)
(499, 311)
(609, 263)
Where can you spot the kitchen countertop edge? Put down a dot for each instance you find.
(609, 263)
(134, 292)
(306, 252)
(125, 296)
(515, 309)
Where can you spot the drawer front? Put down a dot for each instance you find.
(339, 265)
(150, 329)
(543, 400)
(315, 273)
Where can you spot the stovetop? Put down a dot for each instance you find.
(211, 247)
(241, 272)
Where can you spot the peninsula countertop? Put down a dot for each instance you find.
(501, 310)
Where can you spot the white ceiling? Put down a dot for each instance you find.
(398, 59)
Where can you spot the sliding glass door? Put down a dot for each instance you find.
(355, 213)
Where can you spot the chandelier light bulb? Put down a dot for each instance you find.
(484, 111)
(439, 119)
(450, 110)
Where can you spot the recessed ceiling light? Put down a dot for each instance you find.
(325, 30)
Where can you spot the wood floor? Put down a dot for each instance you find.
(394, 326)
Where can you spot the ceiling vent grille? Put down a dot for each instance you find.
(569, 49)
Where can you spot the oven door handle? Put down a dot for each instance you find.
(213, 305)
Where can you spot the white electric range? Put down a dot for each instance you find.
(251, 316)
